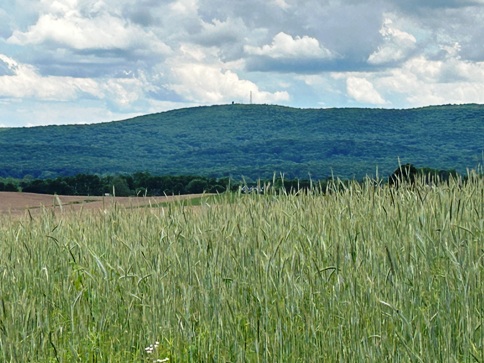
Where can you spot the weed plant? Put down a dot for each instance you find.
(355, 273)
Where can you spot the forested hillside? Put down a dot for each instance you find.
(252, 141)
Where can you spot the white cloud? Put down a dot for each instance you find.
(452, 50)
(363, 91)
(282, 4)
(426, 82)
(124, 91)
(285, 46)
(198, 75)
(447, 71)
(8, 64)
(198, 82)
(25, 81)
(397, 45)
(185, 7)
(67, 27)
(220, 33)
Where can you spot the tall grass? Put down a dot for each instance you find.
(359, 274)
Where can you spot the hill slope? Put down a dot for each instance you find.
(252, 140)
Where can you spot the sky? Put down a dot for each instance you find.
(87, 61)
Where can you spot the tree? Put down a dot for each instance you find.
(86, 184)
(196, 186)
(120, 186)
(142, 183)
(404, 174)
(58, 186)
(10, 187)
(34, 186)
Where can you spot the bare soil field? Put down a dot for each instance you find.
(14, 203)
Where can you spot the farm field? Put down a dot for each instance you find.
(19, 203)
(357, 274)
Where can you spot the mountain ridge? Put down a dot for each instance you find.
(252, 141)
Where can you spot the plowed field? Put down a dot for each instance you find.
(21, 203)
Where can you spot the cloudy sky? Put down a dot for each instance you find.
(84, 61)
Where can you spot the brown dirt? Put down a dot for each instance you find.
(19, 203)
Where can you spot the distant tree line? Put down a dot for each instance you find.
(146, 184)
(409, 174)
(137, 184)
(8, 186)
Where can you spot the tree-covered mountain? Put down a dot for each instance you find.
(252, 141)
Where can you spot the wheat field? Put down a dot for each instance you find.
(357, 273)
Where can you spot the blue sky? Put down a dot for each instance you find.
(85, 61)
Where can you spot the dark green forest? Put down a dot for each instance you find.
(251, 141)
